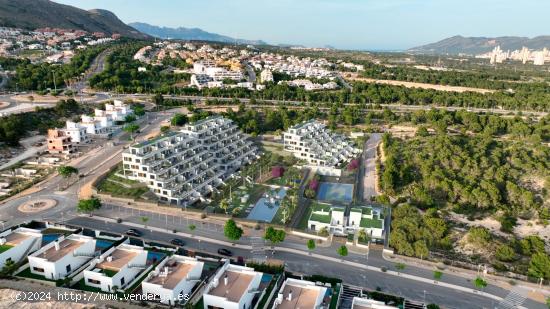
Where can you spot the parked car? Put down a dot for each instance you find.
(225, 252)
(133, 232)
(177, 242)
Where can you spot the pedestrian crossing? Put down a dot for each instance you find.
(258, 248)
(514, 299)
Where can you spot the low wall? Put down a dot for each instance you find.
(325, 171)
(307, 235)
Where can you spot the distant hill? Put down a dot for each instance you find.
(32, 14)
(194, 34)
(478, 45)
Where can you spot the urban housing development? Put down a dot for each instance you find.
(144, 166)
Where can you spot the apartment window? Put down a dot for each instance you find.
(152, 177)
(159, 185)
(93, 281)
(144, 169)
(68, 268)
(122, 281)
(38, 269)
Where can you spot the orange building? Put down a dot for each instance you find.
(59, 142)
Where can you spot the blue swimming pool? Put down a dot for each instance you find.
(102, 244)
(266, 208)
(153, 257)
(48, 238)
(266, 278)
(335, 192)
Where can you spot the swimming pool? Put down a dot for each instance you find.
(153, 257)
(335, 192)
(48, 238)
(266, 208)
(102, 244)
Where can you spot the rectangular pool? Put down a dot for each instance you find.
(335, 192)
(266, 208)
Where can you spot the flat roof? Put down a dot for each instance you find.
(16, 238)
(66, 246)
(156, 139)
(303, 296)
(175, 275)
(237, 284)
(121, 257)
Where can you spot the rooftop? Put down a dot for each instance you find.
(320, 218)
(120, 258)
(66, 246)
(156, 139)
(237, 285)
(303, 296)
(16, 238)
(371, 223)
(175, 274)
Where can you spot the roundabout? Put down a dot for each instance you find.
(38, 205)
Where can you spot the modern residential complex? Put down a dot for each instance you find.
(300, 294)
(313, 142)
(116, 268)
(62, 257)
(186, 166)
(173, 279)
(333, 218)
(233, 287)
(16, 244)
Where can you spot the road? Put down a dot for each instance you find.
(368, 168)
(251, 73)
(206, 239)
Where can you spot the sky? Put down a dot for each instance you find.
(344, 24)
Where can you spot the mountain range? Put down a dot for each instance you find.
(478, 45)
(32, 14)
(194, 34)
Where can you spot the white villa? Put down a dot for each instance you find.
(313, 142)
(367, 218)
(16, 244)
(301, 294)
(173, 279)
(118, 110)
(77, 132)
(186, 166)
(326, 216)
(233, 287)
(334, 220)
(116, 268)
(62, 257)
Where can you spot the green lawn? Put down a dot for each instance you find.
(81, 285)
(109, 272)
(28, 274)
(320, 218)
(371, 223)
(116, 189)
(4, 248)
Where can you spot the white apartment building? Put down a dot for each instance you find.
(216, 73)
(62, 257)
(233, 287)
(313, 142)
(186, 166)
(77, 132)
(173, 279)
(301, 294)
(117, 267)
(118, 110)
(17, 244)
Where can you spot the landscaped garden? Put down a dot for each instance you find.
(115, 185)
